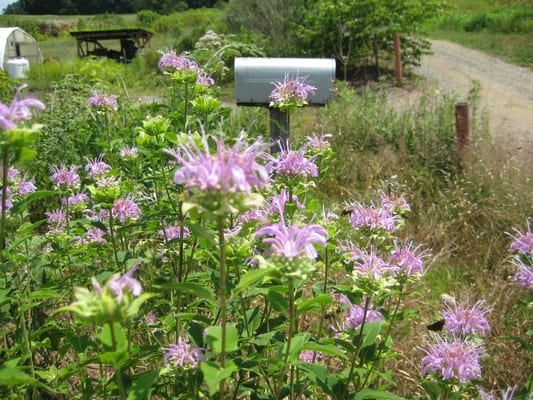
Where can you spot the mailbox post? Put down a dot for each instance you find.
(254, 78)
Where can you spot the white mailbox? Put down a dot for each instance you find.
(254, 78)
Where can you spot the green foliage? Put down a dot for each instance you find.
(503, 29)
(7, 87)
(146, 18)
(216, 53)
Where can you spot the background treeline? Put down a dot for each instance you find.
(83, 7)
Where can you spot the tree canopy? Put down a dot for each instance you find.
(84, 7)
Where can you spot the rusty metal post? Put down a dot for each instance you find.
(462, 126)
(398, 58)
(279, 128)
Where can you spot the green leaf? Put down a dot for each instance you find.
(252, 278)
(113, 337)
(325, 349)
(115, 358)
(192, 288)
(376, 394)
(318, 374)
(12, 376)
(41, 194)
(142, 386)
(313, 303)
(370, 333)
(213, 374)
(214, 338)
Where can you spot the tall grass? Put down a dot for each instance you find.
(499, 28)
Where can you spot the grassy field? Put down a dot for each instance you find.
(500, 28)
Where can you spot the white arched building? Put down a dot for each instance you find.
(17, 45)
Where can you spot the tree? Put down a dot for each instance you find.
(352, 29)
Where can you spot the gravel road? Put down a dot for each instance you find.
(506, 90)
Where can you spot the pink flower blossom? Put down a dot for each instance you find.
(125, 209)
(103, 101)
(170, 61)
(183, 355)
(118, 284)
(65, 177)
(292, 162)
(523, 241)
(229, 169)
(293, 241)
(466, 319)
(18, 110)
(407, 260)
(454, 358)
(97, 167)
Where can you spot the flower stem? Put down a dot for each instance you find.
(116, 366)
(222, 301)
(292, 330)
(5, 168)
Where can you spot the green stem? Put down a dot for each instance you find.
(292, 330)
(222, 246)
(358, 346)
(116, 367)
(5, 171)
(113, 239)
(384, 341)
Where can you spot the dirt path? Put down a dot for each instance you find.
(506, 90)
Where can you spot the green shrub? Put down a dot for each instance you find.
(146, 18)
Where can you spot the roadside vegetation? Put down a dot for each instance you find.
(502, 28)
(181, 266)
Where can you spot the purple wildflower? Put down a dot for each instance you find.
(463, 319)
(57, 221)
(173, 232)
(18, 110)
(150, 318)
(366, 264)
(125, 209)
(117, 284)
(293, 241)
(373, 217)
(63, 176)
(524, 275)
(309, 356)
(183, 355)
(97, 167)
(103, 101)
(291, 92)
(78, 198)
(100, 215)
(278, 201)
(292, 162)
(56, 217)
(397, 204)
(229, 170)
(356, 315)
(523, 241)
(94, 235)
(318, 142)
(25, 186)
(408, 260)
(456, 358)
(129, 152)
(507, 394)
(204, 80)
(171, 62)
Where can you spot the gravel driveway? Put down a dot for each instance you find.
(506, 90)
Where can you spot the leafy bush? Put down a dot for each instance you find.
(146, 18)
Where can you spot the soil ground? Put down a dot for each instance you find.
(506, 91)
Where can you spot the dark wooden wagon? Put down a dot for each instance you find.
(91, 43)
